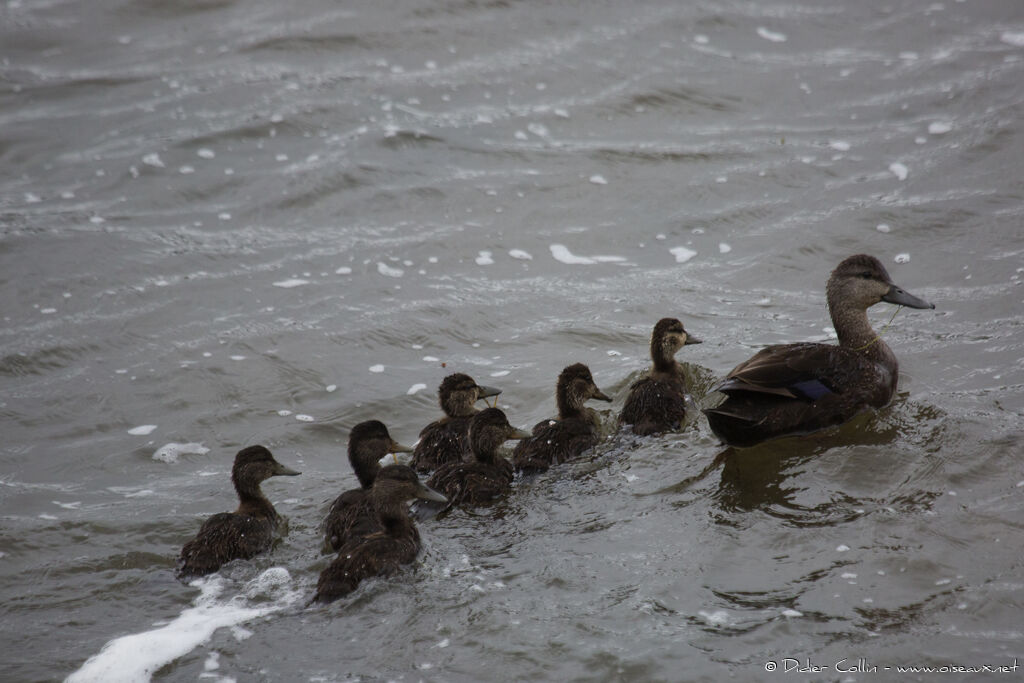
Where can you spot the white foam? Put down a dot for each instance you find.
(840, 145)
(842, 548)
(899, 170)
(682, 254)
(186, 169)
(500, 373)
(343, 270)
(385, 269)
(902, 258)
(520, 254)
(377, 368)
(883, 227)
(485, 258)
(791, 613)
(284, 413)
(430, 359)
(1013, 38)
(562, 254)
(701, 39)
(724, 248)
(142, 430)
(939, 127)
(773, 36)
(237, 357)
(304, 418)
(716, 618)
(153, 160)
(293, 282)
(205, 153)
(138, 656)
(170, 452)
(32, 198)
(598, 180)
(416, 388)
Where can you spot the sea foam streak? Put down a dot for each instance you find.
(138, 656)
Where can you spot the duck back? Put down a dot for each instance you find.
(379, 554)
(554, 442)
(224, 537)
(655, 405)
(441, 442)
(473, 483)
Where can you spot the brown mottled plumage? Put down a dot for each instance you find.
(351, 513)
(575, 430)
(445, 440)
(800, 388)
(488, 475)
(247, 531)
(657, 403)
(384, 551)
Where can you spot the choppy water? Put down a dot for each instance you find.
(225, 223)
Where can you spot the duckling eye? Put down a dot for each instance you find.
(866, 275)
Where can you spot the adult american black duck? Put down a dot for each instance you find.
(800, 388)
(488, 475)
(247, 531)
(384, 551)
(351, 512)
(575, 430)
(445, 440)
(657, 403)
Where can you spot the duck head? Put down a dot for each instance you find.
(254, 464)
(667, 338)
(488, 430)
(368, 442)
(575, 387)
(861, 281)
(458, 393)
(399, 483)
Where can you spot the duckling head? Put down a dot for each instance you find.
(668, 337)
(400, 483)
(368, 442)
(254, 464)
(488, 430)
(575, 387)
(458, 393)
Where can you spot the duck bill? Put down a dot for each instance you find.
(486, 392)
(281, 470)
(426, 493)
(690, 339)
(519, 434)
(897, 295)
(600, 395)
(396, 447)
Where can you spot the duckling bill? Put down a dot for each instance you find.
(384, 551)
(488, 475)
(247, 531)
(800, 388)
(351, 513)
(657, 403)
(446, 440)
(575, 430)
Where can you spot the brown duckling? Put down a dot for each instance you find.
(657, 403)
(445, 440)
(488, 475)
(247, 531)
(350, 512)
(383, 551)
(575, 430)
(800, 388)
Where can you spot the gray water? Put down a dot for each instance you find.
(226, 223)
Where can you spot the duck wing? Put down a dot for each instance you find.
(224, 537)
(441, 442)
(654, 406)
(805, 372)
(554, 442)
(351, 515)
(378, 554)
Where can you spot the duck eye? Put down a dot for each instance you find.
(866, 275)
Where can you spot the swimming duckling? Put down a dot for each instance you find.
(488, 475)
(575, 430)
(445, 440)
(247, 531)
(383, 551)
(800, 388)
(657, 403)
(350, 512)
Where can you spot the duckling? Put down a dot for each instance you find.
(800, 388)
(489, 475)
(657, 402)
(444, 440)
(575, 430)
(383, 551)
(247, 531)
(350, 513)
